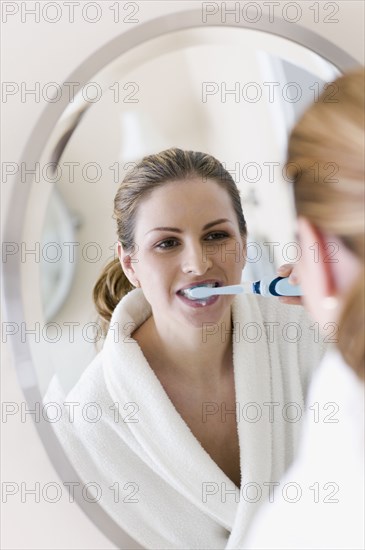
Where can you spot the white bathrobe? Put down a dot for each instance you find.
(171, 492)
(326, 508)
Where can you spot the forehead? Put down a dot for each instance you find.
(193, 198)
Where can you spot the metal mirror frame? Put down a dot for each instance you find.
(14, 310)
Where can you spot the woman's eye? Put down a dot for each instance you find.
(220, 234)
(160, 245)
(164, 245)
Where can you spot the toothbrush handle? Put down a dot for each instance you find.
(231, 289)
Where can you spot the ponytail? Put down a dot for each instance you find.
(109, 289)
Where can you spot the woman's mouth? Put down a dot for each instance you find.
(199, 302)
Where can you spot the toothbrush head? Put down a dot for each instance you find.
(200, 292)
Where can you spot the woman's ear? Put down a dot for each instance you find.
(127, 264)
(316, 269)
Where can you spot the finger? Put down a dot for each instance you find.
(293, 278)
(285, 270)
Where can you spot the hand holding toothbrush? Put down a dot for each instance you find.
(290, 270)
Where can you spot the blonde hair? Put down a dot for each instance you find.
(151, 172)
(326, 162)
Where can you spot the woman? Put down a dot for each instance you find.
(201, 402)
(329, 471)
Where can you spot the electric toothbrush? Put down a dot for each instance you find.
(279, 286)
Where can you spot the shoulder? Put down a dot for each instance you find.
(88, 397)
(270, 310)
(91, 383)
(336, 382)
(295, 343)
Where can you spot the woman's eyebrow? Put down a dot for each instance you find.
(177, 230)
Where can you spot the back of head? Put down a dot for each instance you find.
(150, 173)
(326, 161)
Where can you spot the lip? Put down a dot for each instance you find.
(195, 283)
(196, 304)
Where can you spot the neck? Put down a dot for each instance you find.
(200, 354)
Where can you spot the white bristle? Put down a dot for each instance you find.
(199, 292)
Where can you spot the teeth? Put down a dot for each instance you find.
(203, 301)
(210, 285)
(185, 290)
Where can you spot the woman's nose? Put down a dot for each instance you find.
(196, 258)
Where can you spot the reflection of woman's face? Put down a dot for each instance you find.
(167, 260)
